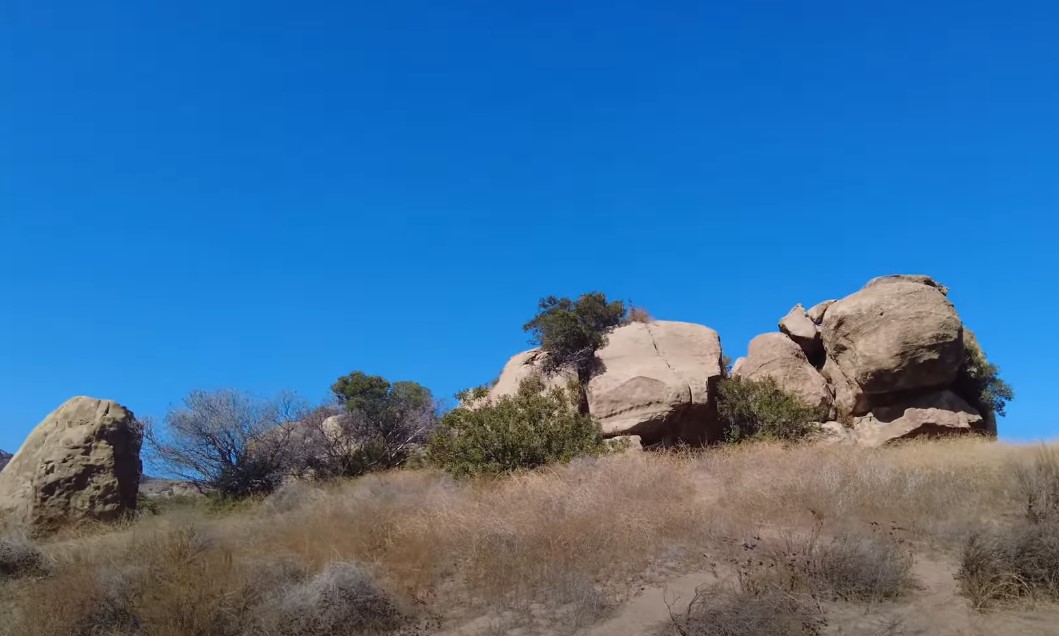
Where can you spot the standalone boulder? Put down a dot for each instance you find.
(659, 381)
(938, 414)
(82, 463)
(804, 332)
(775, 356)
(898, 334)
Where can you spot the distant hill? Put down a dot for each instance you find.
(4, 458)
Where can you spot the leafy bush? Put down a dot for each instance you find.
(979, 383)
(20, 557)
(533, 428)
(571, 332)
(342, 599)
(760, 409)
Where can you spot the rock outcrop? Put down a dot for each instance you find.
(776, 356)
(4, 458)
(82, 463)
(889, 357)
(658, 381)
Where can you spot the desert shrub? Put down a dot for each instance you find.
(848, 566)
(342, 599)
(1002, 566)
(639, 314)
(227, 441)
(533, 428)
(1037, 485)
(571, 331)
(760, 409)
(20, 557)
(715, 611)
(978, 382)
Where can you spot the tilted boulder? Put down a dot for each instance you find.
(895, 335)
(82, 463)
(816, 313)
(775, 356)
(804, 332)
(657, 380)
(937, 414)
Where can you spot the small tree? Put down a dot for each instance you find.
(385, 421)
(978, 382)
(760, 409)
(571, 332)
(226, 440)
(529, 429)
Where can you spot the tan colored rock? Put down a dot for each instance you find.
(816, 314)
(895, 335)
(774, 355)
(850, 399)
(82, 463)
(799, 328)
(835, 433)
(659, 382)
(523, 366)
(908, 278)
(938, 414)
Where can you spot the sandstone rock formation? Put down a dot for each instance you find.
(890, 355)
(658, 381)
(81, 463)
(776, 356)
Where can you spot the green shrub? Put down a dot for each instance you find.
(979, 383)
(533, 428)
(571, 332)
(760, 409)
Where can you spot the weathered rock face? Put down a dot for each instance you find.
(895, 335)
(527, 365)
(81, 463)
(816, 313)
(658, 382)
(804, 332)
(774, 355)
(4, 458)
(936, 414)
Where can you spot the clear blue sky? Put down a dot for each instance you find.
(268, 195)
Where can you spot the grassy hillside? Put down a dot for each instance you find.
(808, 539)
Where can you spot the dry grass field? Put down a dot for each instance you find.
(920, 538)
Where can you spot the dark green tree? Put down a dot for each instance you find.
(386, 420)
(571, 332)
(978, 382)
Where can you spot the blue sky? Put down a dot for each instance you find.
(268, 195)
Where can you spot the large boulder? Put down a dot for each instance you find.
(817, 311)
(897, 334)
(82, 463)
(658, 381)
(936, 414)
(775, 356)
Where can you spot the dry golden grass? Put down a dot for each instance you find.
(563, 544)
